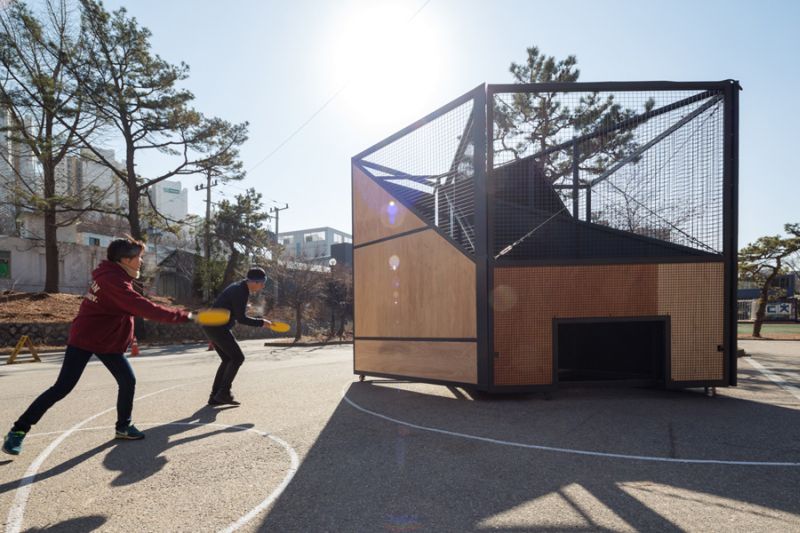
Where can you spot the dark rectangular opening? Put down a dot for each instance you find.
(617, 349)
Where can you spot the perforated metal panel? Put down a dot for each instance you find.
(526, 300)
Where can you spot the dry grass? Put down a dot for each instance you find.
(42, 307)
(39, 307)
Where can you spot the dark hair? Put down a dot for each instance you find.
(125, 247)
(256, 274)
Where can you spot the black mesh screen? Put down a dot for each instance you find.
(431, 170)
(586, 175)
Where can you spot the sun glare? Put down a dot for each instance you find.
(388, 60)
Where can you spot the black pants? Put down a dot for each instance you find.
(75, 360)
(231, 358)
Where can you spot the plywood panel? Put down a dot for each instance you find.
(693, 295)
(376, 214)
(416, 285)
(526, 299)
(446, 361)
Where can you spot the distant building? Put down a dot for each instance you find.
(312, 244)
(343, 253)
(77, 175)
(171, 199)
(788, 285)
(175, 275)
(16, 161)
(782, 303)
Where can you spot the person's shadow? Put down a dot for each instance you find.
(83, 523)
(141, 459)
(145, 458)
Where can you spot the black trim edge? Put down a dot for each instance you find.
(418, 339)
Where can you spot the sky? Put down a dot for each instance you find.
(321, 80)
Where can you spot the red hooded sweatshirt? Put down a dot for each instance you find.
(105, 319)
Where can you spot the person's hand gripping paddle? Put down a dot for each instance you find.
(211, 317)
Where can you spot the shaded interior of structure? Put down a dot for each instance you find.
(612, 350)
(526, 200)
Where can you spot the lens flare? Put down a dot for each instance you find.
(391, 211)
(504, 298)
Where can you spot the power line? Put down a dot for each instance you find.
(324, 105)
(303, 125)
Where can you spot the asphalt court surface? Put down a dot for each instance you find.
(311, 449)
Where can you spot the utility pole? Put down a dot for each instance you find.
(277, 210)
(207, 188)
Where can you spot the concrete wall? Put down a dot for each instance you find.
(76, 263)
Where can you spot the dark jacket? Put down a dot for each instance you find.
(234, 298)
(105, 319)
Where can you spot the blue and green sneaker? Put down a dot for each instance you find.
(12, 444)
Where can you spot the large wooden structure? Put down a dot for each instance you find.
(524, 236)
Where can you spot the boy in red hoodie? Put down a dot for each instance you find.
(104, 327)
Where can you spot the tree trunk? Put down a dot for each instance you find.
(342, 320)
(133, 213)
(298, 320)
(762, 301)
(133, 190)
(230, 268)
(50, 250)
(50, 228)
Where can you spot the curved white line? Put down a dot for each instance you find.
(294, 460)
(14, 521)
(295, 464)
(556, 449)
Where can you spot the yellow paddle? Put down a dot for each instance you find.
(279, 327)
(216, 316)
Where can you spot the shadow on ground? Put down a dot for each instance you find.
(139, 460)
(84, 523)
(366, 473)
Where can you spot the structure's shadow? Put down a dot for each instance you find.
(84, 523)
(138, 460)
(366, 473)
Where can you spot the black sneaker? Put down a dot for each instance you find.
(223, 399)
(129, 433)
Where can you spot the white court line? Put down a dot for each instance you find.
(788, 387)
(556, 449)
(293, 458)
(14, 521)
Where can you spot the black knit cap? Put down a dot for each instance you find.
(256, 274)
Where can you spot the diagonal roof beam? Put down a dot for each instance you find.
(663, 135)
(621, 125)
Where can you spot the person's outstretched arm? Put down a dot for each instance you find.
(125, 298)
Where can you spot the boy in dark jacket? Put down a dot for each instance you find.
(104, 327)
(233, 298)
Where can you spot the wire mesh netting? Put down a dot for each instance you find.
(590, 175)
(431, 170)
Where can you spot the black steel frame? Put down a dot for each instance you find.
(484, 194)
